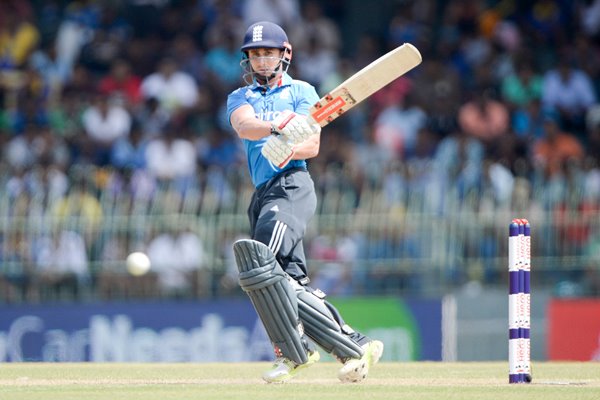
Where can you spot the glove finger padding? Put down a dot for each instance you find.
(294, 127)
(278, 151)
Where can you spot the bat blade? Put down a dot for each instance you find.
(365, 82)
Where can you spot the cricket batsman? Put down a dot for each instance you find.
(269, 117)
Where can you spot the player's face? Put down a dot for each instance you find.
(264, 61)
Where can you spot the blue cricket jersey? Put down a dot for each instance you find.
(290, 94)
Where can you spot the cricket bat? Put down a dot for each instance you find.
(364, 83)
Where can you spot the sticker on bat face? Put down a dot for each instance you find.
(328, 109)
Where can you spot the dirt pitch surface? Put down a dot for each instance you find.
(415, 380)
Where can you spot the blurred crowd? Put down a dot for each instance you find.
(112, 97)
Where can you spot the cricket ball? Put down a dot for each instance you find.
(138, 263)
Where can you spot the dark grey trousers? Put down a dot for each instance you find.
(279, 213)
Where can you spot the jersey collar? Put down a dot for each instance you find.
(285, 80)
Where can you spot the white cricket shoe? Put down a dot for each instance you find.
(284, 369)
(357, 369)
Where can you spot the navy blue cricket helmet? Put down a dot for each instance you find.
(268, 35)
(264, 34)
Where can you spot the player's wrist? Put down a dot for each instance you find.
(274, 131)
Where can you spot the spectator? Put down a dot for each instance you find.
(108, 42)
(189, 57)
(519, 89)
(82, 203)
(437, 89)
(545, 20)
(36, 143)
(222, 63)
(593, 134)
(589, 18)
(61, 264)
(26, 110)
(104, 123)
(316, 62)
(499, 182)
(19, 152)
(174, 89)
(459, 161)
(556, 149)
(406, 26)
(484, 118)
(77, 28)
(64, 117)
(281, 12)
(122, 82)
(111, 281)
(144, 16)
(220, 148)
(45, 62)
(394, 185)
(81, 84)
(528, 121)
(17, 281)
(175, 256)
(368, 48)
(18, 39)
(397, 126)
(337, 253)
(395, 92)
(151, 118)
(588, 60)
(129, 152)
(315, 25)
(172, 158)
(49, 182)
(568, 91)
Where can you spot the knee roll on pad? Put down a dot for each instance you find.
(321, 326)
(273, 297)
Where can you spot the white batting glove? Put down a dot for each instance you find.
(278, 151)
(294, 127)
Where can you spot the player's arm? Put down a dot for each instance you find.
(307, 149)
(247, 126)
(294, 127)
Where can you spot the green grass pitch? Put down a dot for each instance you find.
(223, 381)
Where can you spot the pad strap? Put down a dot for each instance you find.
(321, 326)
